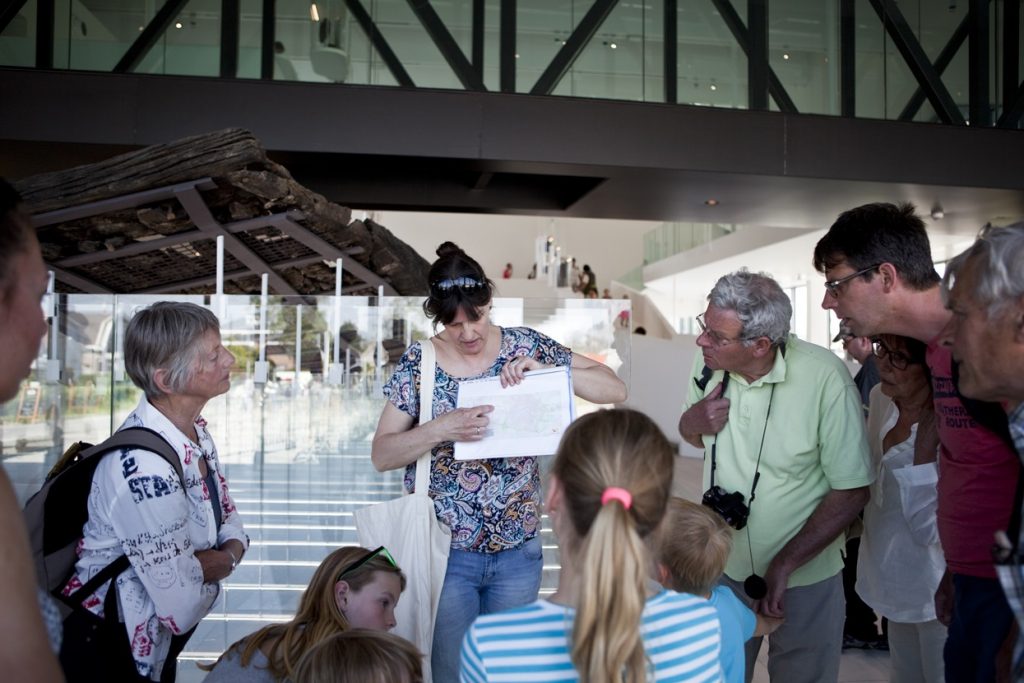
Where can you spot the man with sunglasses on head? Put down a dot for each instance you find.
(787, 466)
(880, 277)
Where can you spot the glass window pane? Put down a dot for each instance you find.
(803, 43)
(18, 40)
(712, 67)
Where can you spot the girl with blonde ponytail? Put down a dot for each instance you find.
(608, 622)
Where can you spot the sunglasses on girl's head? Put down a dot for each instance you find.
(382, 551)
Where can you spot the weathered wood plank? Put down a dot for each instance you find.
(248, 185)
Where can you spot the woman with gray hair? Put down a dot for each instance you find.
(181, 537)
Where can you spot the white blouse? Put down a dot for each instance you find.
(901, 561)
(136, 507)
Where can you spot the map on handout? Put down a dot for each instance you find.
(528, 418)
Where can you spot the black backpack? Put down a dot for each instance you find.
(56, 513)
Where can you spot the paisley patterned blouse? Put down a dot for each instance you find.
(490, 505)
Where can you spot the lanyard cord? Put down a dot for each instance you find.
(760, 450)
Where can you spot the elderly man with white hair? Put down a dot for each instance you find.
(788, 468)
(984, 288)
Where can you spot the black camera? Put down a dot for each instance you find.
(729, 505)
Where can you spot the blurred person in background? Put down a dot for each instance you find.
(26, 651)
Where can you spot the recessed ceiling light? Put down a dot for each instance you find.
(177, 24)
(785, 55)
(713, 86)
(612, 45)
(711, 202)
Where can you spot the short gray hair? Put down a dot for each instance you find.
(757, 299)
(998, 254)
(164, 336)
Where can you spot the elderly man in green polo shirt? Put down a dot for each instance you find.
(781, 424)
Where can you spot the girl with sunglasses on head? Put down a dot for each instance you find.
(609, 621)
(352, 588)
(491, 506)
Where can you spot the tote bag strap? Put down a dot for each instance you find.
(428, 364)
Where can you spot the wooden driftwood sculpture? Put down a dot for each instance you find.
(147, 221)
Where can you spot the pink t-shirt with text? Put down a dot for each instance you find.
(977, 476)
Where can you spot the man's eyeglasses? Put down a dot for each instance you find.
(716, 339)
(898, 360)
(835, 287)
(381, 551)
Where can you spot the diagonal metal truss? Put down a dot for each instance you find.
(751, 36)
(913, 54)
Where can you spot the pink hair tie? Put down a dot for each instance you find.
(615, 493)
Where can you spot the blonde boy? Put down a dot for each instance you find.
(694, 546)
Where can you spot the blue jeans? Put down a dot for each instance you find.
(981, 622)
(480, 583)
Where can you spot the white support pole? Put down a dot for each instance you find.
(336, 370)
(53, 369)
(298, 351)
(221, 303)
(379, 370)
(262, 370)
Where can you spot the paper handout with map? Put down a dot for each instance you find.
(528, 418)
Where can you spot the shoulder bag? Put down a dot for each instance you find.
(408, 527)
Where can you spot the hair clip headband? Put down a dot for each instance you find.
(619, 494)
(460, 282)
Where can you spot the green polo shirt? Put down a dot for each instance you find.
(814, 442)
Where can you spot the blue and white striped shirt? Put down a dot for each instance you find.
(680, 632)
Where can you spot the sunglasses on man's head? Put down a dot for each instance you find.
(381, 551)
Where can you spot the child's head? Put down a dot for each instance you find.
(365, 586)
(352, 588)
(695, 543)
(607, 494)
(361, 656)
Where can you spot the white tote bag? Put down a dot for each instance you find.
(409, 529)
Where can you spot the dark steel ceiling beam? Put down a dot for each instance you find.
(949, 51)
(147, 39)
(574, 44)
(739, 32)
(380, 43)
(1012, 115)
(8, 10)
(913, 54)
(470, 78)
(507, 46)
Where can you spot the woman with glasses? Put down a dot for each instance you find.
(901, 561)
(352, 588)
(491, 506)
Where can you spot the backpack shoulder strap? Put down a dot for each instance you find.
(142, 438)
(133, 437)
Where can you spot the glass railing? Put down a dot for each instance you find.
(676, 51)
(673, 238)
(296, 450)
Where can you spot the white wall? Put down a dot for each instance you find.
(611, 247)
(658, 381)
